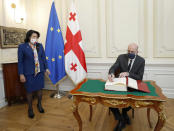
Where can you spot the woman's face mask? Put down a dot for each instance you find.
(33, 40)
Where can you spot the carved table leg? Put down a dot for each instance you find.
(161, 117)
(77, 116)
(148, 117)
(90, 118)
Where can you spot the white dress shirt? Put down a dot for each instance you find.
(132, 62)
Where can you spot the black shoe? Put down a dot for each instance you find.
(121, 124)
(126, 119)
(30, 113)
(40, 109)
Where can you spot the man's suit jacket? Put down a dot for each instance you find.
(121, 64)
(26, 64)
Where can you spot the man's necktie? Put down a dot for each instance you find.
(129, 66)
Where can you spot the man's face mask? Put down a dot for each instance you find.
(33, 41)
(131, 55)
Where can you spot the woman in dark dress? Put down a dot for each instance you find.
(32, 65)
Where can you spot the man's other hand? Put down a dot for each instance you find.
(123, 74)
(111, 77)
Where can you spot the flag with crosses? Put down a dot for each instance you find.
(75, 63)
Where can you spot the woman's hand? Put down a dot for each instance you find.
(22, 78)
(47, 72)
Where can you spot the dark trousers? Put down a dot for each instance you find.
(117, 114)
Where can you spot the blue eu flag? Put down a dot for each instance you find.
(54, 48)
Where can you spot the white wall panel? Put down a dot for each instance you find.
(125, 24)
(164, 28)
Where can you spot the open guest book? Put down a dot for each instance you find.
(122, 84)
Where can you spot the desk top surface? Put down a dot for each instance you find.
(95, 88)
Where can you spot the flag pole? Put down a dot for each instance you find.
(53, 15)
(57, 94)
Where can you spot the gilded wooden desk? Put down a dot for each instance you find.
(92, 91)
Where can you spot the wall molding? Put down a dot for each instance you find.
(89, 14)
(2, 92)
(3, 103)
(115, 47)
(162, 47)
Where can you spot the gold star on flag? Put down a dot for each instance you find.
(58, 30)
(60, 57)
(51, 28)
(47, 57)
(53, 59)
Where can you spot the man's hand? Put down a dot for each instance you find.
(123, 74)
(47, 72)
(111, 77)
(22, 78)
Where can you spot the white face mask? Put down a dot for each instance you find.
(33, 41)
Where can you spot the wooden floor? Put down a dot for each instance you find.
(59, 117)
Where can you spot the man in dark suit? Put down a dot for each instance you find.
(129, 65)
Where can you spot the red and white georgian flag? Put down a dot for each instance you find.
(75, 64)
